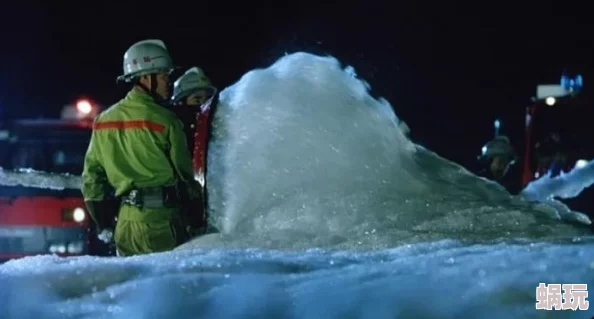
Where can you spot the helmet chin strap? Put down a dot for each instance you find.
(152, 90)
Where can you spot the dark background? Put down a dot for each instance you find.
(449, 68)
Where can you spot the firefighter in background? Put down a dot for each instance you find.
(497, 158)
(193, 94)
(137, 164)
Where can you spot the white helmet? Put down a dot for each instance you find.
(146, 57)
(193, 80)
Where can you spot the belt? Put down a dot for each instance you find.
(152, 197)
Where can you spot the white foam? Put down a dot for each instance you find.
(433, 280)
(565, 185)
(303, 156)
(31, 178)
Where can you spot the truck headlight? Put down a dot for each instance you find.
(76, 215)
(57, 249)
(75, 247)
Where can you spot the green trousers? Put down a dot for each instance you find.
(148, 230)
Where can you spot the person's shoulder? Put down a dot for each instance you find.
(111, 112)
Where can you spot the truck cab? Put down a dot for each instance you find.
(38, 219)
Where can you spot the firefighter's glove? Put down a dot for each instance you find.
(106, 235)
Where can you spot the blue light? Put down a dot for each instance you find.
(579, 81)
(572, 84)
(497, 124)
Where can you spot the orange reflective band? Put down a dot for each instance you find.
(122, 125)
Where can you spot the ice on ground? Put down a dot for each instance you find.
(428, 280)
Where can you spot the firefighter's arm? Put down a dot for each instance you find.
(96, 189)
(182, 163)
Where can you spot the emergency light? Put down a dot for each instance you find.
(497, 125)
(84, 106)
(572, 84)
(82, 109)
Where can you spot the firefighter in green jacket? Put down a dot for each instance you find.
(137, 165)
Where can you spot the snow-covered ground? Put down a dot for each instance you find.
(327, 210)
(435, 280)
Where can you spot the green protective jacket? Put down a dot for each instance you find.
(137, 143)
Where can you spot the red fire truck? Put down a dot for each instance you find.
(559, 135)
(558, 130)
(35, 219)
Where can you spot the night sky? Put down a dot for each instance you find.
(449, 69)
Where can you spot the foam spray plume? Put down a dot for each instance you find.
(566, 185)
(303, 156)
